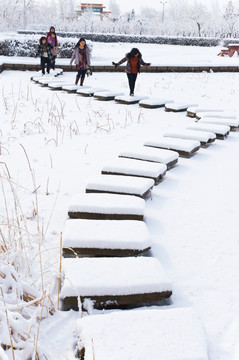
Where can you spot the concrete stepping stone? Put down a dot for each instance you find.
(46, 80)
(105, 238)
(106, 206)
(167, 157)
(57, 85)
(149, 334)
(73, 88)
(192, 110)
(154, 103)
(126, 99)
(131, 167)
(178, 106)
(118, 184)
(185, 148)
(212, 114)
(89, 91)
(113, 282)
(107, 95)
(204, 137)
(232, 123)
(37, 78)
(56, 72)
(221, 131)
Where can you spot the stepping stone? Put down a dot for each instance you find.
(107, 207)
(167, 157)
(131, 167)
(222, 114)
(221, 131)
(89, 91)
(154, 103)
(46, 80)
(57, 85)
(185, 148)
(37, 78)
(178, 106)
(117, 184)
(126, 99)
(204, 137)
(73, 88)
(107, 95)
(192, 110)
(163, 334)
(105, 238)
(113, 282)
(55, 72)
(232, 123)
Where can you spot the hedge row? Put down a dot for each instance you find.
(173, 40)
(28, 47)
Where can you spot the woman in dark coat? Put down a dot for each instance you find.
(133, 65)
(81, 55)
(44, 51)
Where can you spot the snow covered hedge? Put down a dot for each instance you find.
(172, 40)
(22, 45)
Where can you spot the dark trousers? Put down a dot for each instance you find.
(81, 73)
(132, 79)
(45, 61)
(53, 62)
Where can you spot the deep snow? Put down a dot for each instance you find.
(192, 216)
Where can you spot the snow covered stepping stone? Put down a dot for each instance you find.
(46, 80)
(113, 282)
(154, 334)
(192, 110)
(57, 85)
(73, 88)
(118, 184)
(178, 106)
(89, 91)
(205, 138)
(221, 131)
(107, 207)
(154, 103)
(185, 148)
(213, 114)
(232, 123)
(167, 157)
(107, 95)
(57, 71)
(37, 78)
(105, 238)
(131, 167)
(126, 99)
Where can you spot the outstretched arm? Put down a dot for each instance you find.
(120, 62)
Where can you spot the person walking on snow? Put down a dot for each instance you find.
(52, 39)
(81, 55)
(44, 51)
(132, 68)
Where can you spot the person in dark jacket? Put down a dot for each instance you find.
(81, 55)
(44, 51)
(133, 65)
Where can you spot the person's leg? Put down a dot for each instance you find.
(133, 80)
(53, 62)
(42, 65)
(48, 65)
(82, 77)
(78, 76)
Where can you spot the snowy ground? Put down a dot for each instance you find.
(192, 217)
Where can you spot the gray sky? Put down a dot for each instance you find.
(128, 5)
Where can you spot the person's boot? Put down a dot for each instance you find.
(77, 79)
(82, 81)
